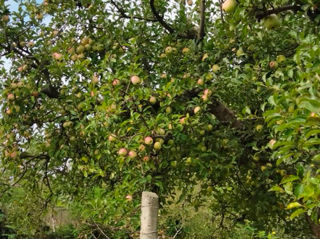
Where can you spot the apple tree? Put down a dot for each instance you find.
(104, 99)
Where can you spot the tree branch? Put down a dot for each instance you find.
(159, 18)
(218, 109)
(125, 15)
(262, 15)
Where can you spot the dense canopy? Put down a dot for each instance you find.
(101, 100)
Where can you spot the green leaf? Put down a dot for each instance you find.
(297, 213)
(276, 188)
(310, 104)
(289, 178)
(293, 205)
(316, 158)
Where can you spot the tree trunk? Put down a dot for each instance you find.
(149, 215)
(314, 227)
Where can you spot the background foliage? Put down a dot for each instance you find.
(209, 108)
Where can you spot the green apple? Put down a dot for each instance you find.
(281, 58)
(229, 5)
(157, 145)
(215, 68)
(271, 21)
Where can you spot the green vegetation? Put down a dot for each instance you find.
(215, 107)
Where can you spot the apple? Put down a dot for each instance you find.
(205, 56)
(8, 111)
(135, 80)
(80, 49)
(272, 21)
(190, 2)
(122, 152)
(188, 161)
(174, 164)
(157, 146)
(168, 110)
(313, 115)
(259, 127)
(87, 46)
(272, 142)
(215, 68)
(183, 120)
(132, 154)
(13, 154)
(111, 138)
(185, 50)
(196, 109)
(160, 140)
(57, 56)
(80, 56)
(35, 93)
(22, 68)
(153, 100)
(71, 50)
(129, 198)
(163, 55)
(142, 148)
(95, 78)
(168, 50)
(74, 57)
(273, 64)
(240, 52)
(161, 131)
(85, 40)
(204, 97)
(209, 127)
(116, 82)
(10, 96)
(200, 82)
(207, 92)
(281, 58)
(55, 32)
(5, 18)
(148, 140)
(30, 44)
(39, 16)
(229, 5)
(67, 124)
(146, 158)
(22, 44)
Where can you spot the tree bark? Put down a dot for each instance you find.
(315, 228)
(149, 215)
